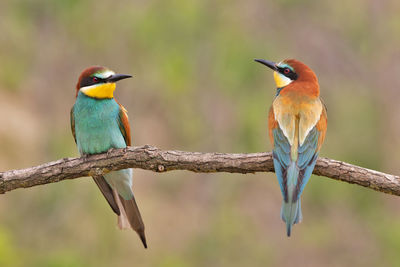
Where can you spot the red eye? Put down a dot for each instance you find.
(286, 71)
(95, 79)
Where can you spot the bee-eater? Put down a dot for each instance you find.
(99, 123)
(297, 125)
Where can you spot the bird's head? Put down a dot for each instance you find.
(98, 82)
(289, 71)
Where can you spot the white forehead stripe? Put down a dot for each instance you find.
(104, 75)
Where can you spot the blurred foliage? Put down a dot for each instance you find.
(197, 88)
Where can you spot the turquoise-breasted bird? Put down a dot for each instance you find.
(99, 123)
(297, 125)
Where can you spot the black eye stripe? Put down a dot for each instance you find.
(291, 75)
(87, 81)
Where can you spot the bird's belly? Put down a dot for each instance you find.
(99, 140)
(97, 131)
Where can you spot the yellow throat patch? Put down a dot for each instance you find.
(281, 80)
(101, 91)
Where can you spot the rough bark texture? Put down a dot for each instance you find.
(154, 159)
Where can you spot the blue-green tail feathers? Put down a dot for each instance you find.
(291, 210)
(291, 214)
(293, 175)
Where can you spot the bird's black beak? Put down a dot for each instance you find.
(269, 64)
(116, 77)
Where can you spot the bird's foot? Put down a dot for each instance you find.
(109, 152)
(85, 157)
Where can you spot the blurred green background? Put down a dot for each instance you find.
(196, 88)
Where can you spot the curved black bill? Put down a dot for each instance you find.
(117, 77)
(269, 64)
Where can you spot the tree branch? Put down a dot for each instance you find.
(154, 159)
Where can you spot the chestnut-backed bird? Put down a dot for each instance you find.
(297, 125)
(99, 123)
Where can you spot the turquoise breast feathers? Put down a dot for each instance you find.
(96, 125)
